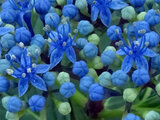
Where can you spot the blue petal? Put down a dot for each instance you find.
(117, 4)
(94, 13)
(71, 55)
(4, 30)
(17, 74)
(22, 87)
(38, 82)
(56, 57)
(127, 64)
(42, 68)
(105, 16)
(150, 53)
(26, 60)
(120, 52)
(141, 63)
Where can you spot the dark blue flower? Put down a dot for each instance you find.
(61, 43)
(27, 72)
(135, 52)
(103, 7)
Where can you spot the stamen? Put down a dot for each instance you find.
(23, 75)
(28, 70)
(28, 54)
(21, 44)
(143, 31)
(117, 31)
(13, 57)
(137, 43)
(130, 52)
(34, 65)
(9, 71)
(64, 44)
(46, 28)
(146, 44)
(94, 2)
(75, 31)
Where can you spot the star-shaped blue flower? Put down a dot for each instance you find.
(27, 72)
(103, 7)
(61, 43)
(135, 52)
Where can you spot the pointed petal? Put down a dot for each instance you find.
(42, 68)
(4, 30)
(117, 4)
(94, 13)
(56, 57)
(38, 82)
(25, 60)
(22, 87)
(105, 16)
(141, 63)
(150, 53)
(127, 64)
(17, 74)
(120, 52)
(71, 55)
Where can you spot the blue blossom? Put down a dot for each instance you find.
(103, 7)
(135, 52)
(4, 30)
(132, 116)
(27, 72)
(61, 43)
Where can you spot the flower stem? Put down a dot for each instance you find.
(33, 114)
(43, 114)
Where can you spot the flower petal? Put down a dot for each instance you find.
(26, 61)
(105, 16)
(120, 52)
(117, 4)
(56, 57)
(22, 87)
(71, 55)
(141, 63)
(127, 64)
(94, 13)
(150, 53)
(38, 82)
(42, 68)
(4, 30)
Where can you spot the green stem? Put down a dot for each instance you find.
(33, 114)
(147, 93)
(43, 115)
(55, 101)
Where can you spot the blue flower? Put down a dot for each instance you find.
(135, 52)
(61, 43)
(27, 72)
(132, 116)
(103, 7)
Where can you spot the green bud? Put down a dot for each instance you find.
(10, 26)
(141, 16)
(94, 38)
(63, 77)
(96, 63)
(92, 73)
(158, 89)
(64, 108)
(61, 2)
(129, 94)
(128, 13)
(4, 101)
(81, 4)
(110, 48)
(152, 115)
(105, 79)
(11, 116)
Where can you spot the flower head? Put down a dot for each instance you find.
(27, 72)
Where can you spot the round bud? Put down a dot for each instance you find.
(38, 40)
(92, 72)
(142, 25)
(49, 78)
(81, 4)
(110, 48)
(158, 89)
(141, 16)
(61, 2)
(129, 94)
(65, 27)
(36, 103)
(52, 19)
(94, 38)
(6, 5)
(64, 108)
(5, 100)
(63, 77)
(12, 116)
(16, 50)
(14, 104)
(42, 6)
(4, 84)
(8, 15)
(152, 115)
(128, 13)
(81, 42)
(67, 89)
(132, 116)
(140, 77)
(10, 26)
(104, 79)
(5, 64)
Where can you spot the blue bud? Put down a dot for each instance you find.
(23, 35)
(4, 84)
(7, 41)
(137, 3)
(4, 65)
(6, 5)
(119, 78)
(70, 11)
(142, 25)
(140, 77)
(153, 38)
(49, 78)
(52, 10)
(81, 42)
(80, 68)
(67, 89)
(52, 19)
(96, 92)
(155, 62)
(85, 27)
(108, 57)
(90, 50)
(66, 29)
(131, 116)
(16, 50)
(14, 104)
(5, 100)
(42, 6)
(36, 103)
(38, 40)
(85, 83)
(113, 32)
(104, 79)
(8, 15)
